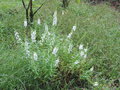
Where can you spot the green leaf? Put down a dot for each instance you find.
(78, 1)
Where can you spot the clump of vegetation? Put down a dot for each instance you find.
(75, 50)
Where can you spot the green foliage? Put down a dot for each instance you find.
(78, 1)
(97, 29)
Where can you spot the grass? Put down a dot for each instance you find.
(98, 29)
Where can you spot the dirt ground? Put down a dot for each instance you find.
(113, 3)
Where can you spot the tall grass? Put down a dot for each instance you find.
(58, 57)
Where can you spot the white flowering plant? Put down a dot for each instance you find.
(52, 54)
(63, 49)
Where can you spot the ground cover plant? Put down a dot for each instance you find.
(75, 48)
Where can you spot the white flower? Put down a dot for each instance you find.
(55, 50)
(33, 0)
(95, 84)
(70, 48)
(74, 28)
(33, 36)
(48, 33)
(85, 49)
(43, 37)
(46, 27)
(63, 12)
(85, 56)
(28, 53)
(61, 39)
(27, 48)
(41, 42)
(70, 35)
(52, 40)
(82, 54)
(76, 62)
(91, 69)
(39, 22)
(26, 45)
(80, 47)
(35, 56)
(25, 23)
(55, 18)
(17, 37)
(57, 62)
